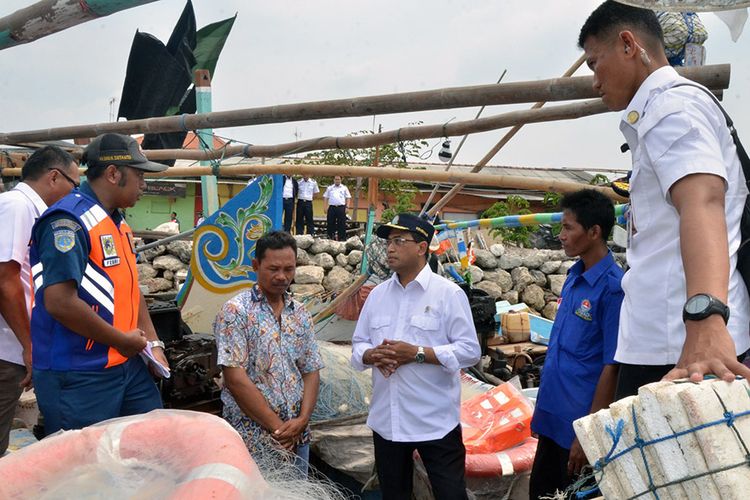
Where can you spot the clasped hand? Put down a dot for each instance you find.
(389, 355)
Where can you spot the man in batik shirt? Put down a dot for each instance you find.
(267, 351)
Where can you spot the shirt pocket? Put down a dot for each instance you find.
(580, 338)
(380, 329)
(423, 329)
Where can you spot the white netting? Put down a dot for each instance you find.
(344, 391)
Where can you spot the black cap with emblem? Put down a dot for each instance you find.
(411, 223)
(120, 150)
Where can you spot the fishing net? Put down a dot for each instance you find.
(344, 391)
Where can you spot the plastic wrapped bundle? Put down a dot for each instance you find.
(679, 30)
(675, 440)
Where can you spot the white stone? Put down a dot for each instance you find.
(337, 247)
(497, 249)
(321, 246)
(181, 249)
(304, 241)
(354, 257)
(533, 296)
(146, 271)
(168, 263)
(511, 296)
(156, 285)
(550, 267)
(324, 260)
(485, 259)
(493, 289)
(307, 275)
(168, 275)
(556, 282)
(510, 261)
(151, 253)
(341, 260)
(540, 279)
(354, 243)
(309, 289)
(337, 279)
(477, 274)
(565, 266)
(550, 310)
(533, 259)
(521, 278)
(501, 277)
(303, 259)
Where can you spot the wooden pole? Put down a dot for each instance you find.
(51, 16)
(557, 89)
(497, 147)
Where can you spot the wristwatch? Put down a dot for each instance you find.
(703, 305)
(155, 343)
(419, 358)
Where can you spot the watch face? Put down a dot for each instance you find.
(697, 304)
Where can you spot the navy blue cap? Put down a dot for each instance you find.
(411, 223)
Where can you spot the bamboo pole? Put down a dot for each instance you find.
(556, 89)
(51, 16)
(497, 147)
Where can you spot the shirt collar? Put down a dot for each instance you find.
(592, 275)
(636, 109)
(32, 195)
(257, 295)
(86, 190)
(422, 278)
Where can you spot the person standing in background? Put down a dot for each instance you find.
(336, 198)
(289, 196)
(308, 187)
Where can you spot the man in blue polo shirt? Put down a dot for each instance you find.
(580, 374)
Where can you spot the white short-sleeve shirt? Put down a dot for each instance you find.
(672, 134)
(307, 189)
(19, 209)
(337, 195)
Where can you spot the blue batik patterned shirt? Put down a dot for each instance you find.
(275, 356)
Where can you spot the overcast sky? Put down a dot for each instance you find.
(285, 51)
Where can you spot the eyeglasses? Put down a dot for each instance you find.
(76, 185)
(399, 242)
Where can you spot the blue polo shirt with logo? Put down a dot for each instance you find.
(583, 340)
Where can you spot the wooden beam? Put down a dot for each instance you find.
(50, 16)
(556, 89)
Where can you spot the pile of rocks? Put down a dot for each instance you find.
(505, 272)
(164, 267)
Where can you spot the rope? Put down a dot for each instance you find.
(729, 418)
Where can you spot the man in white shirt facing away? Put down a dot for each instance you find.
(307, 188)
(416, 332)
(336, 200)
(48, 175)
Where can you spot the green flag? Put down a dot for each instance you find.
(209, 42)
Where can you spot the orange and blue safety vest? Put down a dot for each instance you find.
(108, 282)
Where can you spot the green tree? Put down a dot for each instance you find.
(513, 205)
(390, 155)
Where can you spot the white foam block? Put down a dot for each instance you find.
(586, 432)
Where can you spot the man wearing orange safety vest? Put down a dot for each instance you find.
(89, 320)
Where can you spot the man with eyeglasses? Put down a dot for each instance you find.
(89, 320)
(49, 174)
(416, 332)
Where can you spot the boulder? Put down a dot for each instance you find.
(565, 266)
(354, 257)
(337, 247)
(497, 249)
(507, 261)
(521, 278)
(477, 274)
(338, 279)
(309, 289)
(150, 254)
(341, 260)
(533, 296)
(156, 285)
(493, 289)
(485, 259)
(349, 268)
(303, 259)
(540, 279)
(146, 271)
(168, 263)
(511, 296)
(501, 277)
(533, 259)
(550, 310)
(309, 275)
(183, 250)
(304, 241)
(557, 255)
(320, 246)
(354, 243)
(324, 260)
(550, 267)
(556, 282)
(168, 275)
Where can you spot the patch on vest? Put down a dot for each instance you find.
(109, 251)
(65, 240)
(584, 311)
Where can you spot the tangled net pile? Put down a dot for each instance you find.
(344, 391)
